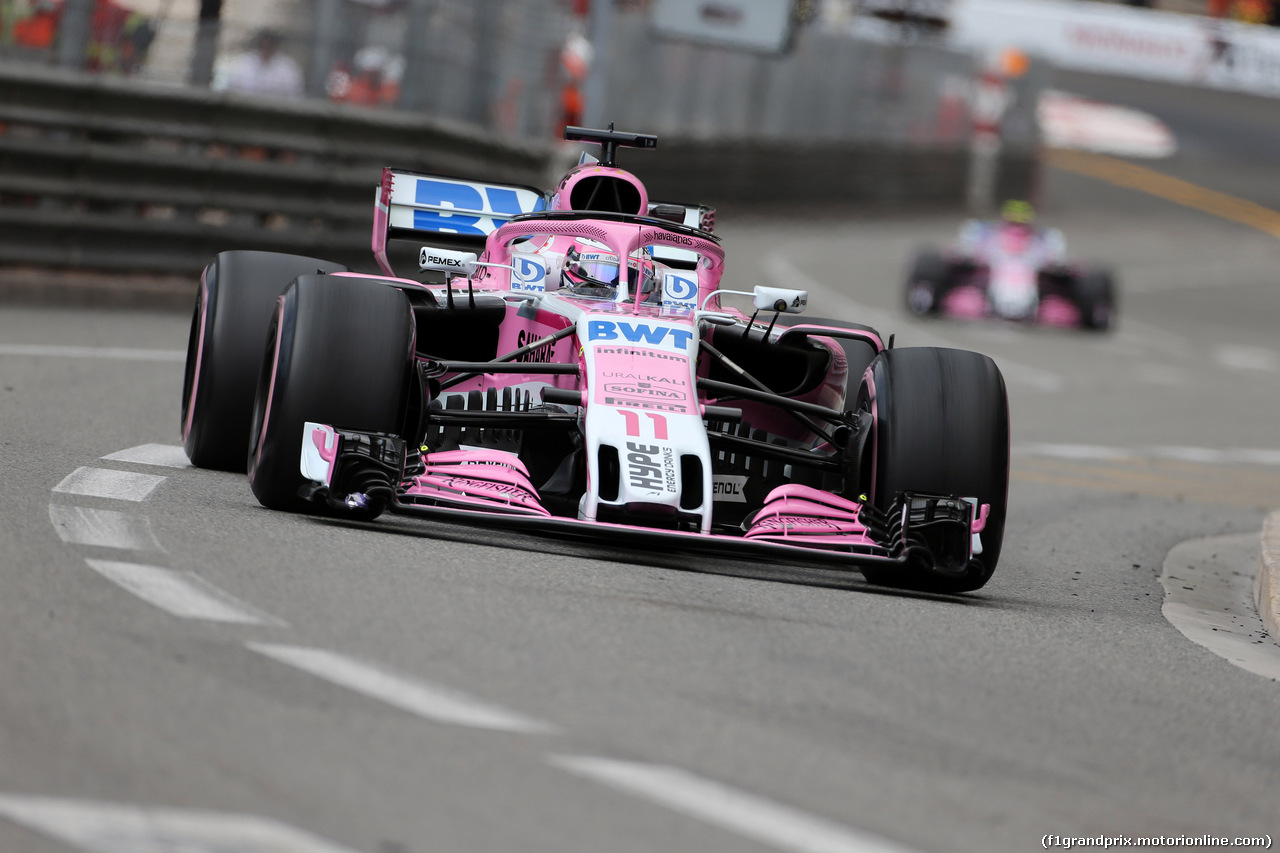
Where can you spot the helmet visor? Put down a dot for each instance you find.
(599, 272)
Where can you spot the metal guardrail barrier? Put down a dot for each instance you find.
(101, 172)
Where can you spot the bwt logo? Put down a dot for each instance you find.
(608, 330)
(530, 274)
(678, 289)
(477, 206)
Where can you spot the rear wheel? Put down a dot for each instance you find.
(237, 294)
(340, 352)
(941, 426)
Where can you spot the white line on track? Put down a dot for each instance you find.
(163, 455)
(104, 528)
(107, 483)
(785, 272)
(1198, 455)
(737, 811)
(120, 353)
(100, 827)
(183, 594)
(1080, 452)
(431, 702)
(1247, 358)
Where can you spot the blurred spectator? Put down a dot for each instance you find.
(1248, 11)
(374, 79)
(265, 70)
(30, 24)
(119, 37)
(1251, 11)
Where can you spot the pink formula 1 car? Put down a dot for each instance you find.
(566, 367)
(1012, 270)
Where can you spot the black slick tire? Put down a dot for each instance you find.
(1096, 299)
(927, 283)
(941, 426)
(237, 294)
(339, 352)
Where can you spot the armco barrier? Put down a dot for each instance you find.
(103, 173)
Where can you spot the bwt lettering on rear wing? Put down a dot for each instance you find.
(459, 214)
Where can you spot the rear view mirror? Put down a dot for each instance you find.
(460, 263)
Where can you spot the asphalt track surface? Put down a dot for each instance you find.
(405, 686)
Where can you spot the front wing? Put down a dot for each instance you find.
(366, 473)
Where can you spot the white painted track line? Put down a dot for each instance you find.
(431, 702)
(99, 827)
(107, 483)
(1083, 452)
(121, 353)
(183, 594)
(1247, 358)
(1198, 455)
(163, 455)
(104, 528)
(737, 811)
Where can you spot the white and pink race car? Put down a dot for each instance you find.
(565, 366)
(1012, 271)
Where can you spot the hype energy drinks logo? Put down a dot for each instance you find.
(651, 467)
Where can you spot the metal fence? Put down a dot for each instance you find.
(829, 87)
(131, 167)
(499, 64)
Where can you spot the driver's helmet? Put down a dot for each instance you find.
(593, 273)
(1017, 226)
(1018, 213)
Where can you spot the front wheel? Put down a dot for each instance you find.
(1096, 299)
(940, 426)
(339, 352)
(237, 294)
(927, 283)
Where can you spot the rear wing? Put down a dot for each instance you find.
(459, 214)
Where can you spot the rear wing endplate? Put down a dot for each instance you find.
(458, 214)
